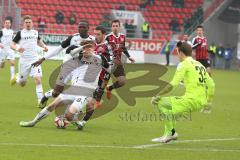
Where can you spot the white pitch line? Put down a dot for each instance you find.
(148, 146)
(64, 145)
(187, 141)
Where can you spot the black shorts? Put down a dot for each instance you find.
(205, 62)
(119, 71)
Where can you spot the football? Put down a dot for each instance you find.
(60, 122)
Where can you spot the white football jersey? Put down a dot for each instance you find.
(75, 40)
(87, 74)
(28, 39)
(6, 36)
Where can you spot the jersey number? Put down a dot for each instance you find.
(202, 72)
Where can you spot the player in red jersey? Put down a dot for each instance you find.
(117, 42)
(102, 47)
(199, 43)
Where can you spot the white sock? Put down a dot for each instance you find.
(41, 115)
(48, 94)
(39, 92)
(18, 79)
(12, 71)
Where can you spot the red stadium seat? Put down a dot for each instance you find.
(158, 15)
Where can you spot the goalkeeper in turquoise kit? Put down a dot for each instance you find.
(198, 94)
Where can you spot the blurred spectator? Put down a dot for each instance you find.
(107, 16)
(178, 3)
(174, 25)
(191, 23)
(228, 54)
(145, 30)
(185, 38)
(143, 4)
(122, 7)
(72, 18)
(219, 56)
(186, 25)
(213, 51)
(151, 2)
(59, 17)
(106, 24)
(130, 29)
(167, 52)
(41, 24)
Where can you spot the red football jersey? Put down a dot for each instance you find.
(103, 48)
(117, 43)
(201, 47)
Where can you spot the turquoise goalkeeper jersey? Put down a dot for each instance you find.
(199, 85)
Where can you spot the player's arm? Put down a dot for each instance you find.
(74, 51)
(195, 44)
(1, 34)
(210, 88)
(60, 48)
(54, 52)
(41, 44)
(105, 64)
(125, 51)
(178, 77)
(109, 52)
(15, 40)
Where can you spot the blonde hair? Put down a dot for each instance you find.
(27, 17)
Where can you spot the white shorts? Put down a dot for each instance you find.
(78, 102)
(6, 53)
(26, 69)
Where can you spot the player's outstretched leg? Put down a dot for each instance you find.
(45, 98)
(87, 116)
(39, 89)
(165, 108)
(12, 70)
(51, 93)
(42, 114)
(76, 107)
(119, 83)
(13, 81)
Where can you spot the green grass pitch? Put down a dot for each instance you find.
(210, 137)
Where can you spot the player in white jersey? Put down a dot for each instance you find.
(84, 80)
(6, 53)
(68, 65)
(28, 40)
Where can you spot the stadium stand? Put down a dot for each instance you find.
(94, 9)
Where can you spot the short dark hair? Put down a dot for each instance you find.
(101, 28)
(9, 18)
(200, 26)
(83, 22)
(115, 21)
(27, 17)
(185, 48)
